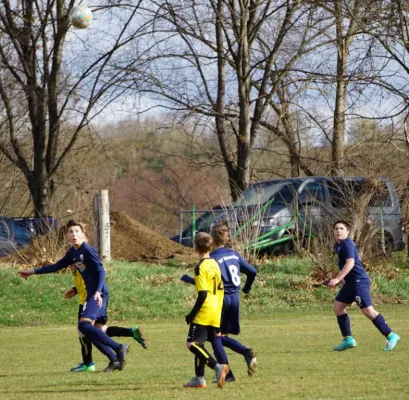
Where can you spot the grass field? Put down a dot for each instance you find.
(295, 360)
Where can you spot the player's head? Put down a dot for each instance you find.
(203, 243)
(75, 233)
(341, 230)
(220, 234)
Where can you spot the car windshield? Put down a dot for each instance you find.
(259, 193)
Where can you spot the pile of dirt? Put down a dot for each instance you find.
(132, 241)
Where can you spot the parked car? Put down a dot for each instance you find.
(314, 201)
(19, 231)
(284, 209)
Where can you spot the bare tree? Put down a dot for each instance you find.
(54, 81)
(225, 62)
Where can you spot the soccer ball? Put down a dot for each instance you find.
(81, 17)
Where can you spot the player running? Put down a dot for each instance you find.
(204, 319)
(356, 288)
(232, 264)
(135, 332)
(90, 266)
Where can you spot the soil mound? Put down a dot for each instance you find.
(132, 241)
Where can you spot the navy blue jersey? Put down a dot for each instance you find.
(87, 262)
(346, 250)
(231, 265)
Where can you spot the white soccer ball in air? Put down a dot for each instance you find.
(80, 17)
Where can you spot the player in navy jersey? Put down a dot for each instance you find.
(356, 288)
(231, 265)
(90, 266)
(135, 332)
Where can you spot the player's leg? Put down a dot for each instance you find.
(230, 324)
(114, 351)
(198, 334)
(198, 381)
(344, 298)
(136, 332)
(86, 351)
(364, 302)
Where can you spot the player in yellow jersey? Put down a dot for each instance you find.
(86, 345)
(204, 319)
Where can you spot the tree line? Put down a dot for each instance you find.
(259, 87)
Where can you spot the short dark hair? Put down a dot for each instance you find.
(72, 223)
(341, 221)
(203, 242)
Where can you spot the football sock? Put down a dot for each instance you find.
(202, 354)
(96, 335)
(199, 367)
(382, 325)
(218, 350)
(119, 331)
(234, 345)
(344, 324)
(86, 350)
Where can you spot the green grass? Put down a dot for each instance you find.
(139, 291)
(295, 360)
(287, 321)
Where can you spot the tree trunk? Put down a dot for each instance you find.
(39, 190)
(338, 140)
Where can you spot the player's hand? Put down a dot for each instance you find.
(189, 319)
(26, 274)
(70, 294)
(333, 282)
(98, 297)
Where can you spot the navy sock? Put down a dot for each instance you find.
(234, 345)
(382, 325)
(344, 324)
(106, 350)
(119, 331)
(218, 349)
(98, 336)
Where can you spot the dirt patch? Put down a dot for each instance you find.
(132, 241)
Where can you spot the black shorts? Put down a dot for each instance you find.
(100, 320)
(201, 333)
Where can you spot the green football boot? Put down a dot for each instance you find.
(84, 368)
(391, 341)
(139, 336)
(347, 343)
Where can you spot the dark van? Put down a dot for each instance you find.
(272, 204)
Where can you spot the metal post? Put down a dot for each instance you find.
(193, 225)
(180, 226)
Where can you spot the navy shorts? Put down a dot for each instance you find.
(230, 321)
(92, 311)
(357, 290)
(201, 333)
(101, 320)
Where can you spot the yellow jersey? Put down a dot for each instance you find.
(208, 277)
(80, 286)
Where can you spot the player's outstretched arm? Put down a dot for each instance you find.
(26, 274)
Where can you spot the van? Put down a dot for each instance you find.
(282, 209)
